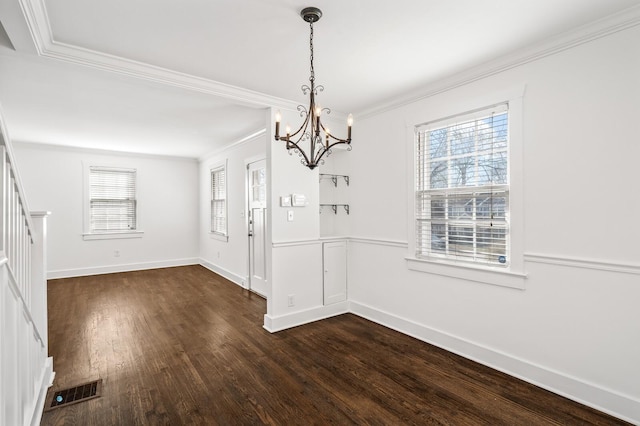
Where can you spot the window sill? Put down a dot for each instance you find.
(112, 235)
(219, 237)
(485, 275)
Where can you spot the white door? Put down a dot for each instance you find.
(334, 259)
(257, 183)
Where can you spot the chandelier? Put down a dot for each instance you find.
(320, 139)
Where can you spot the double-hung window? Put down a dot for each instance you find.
(112, 200)
(219, 201)
(462, 188)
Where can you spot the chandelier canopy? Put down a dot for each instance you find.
(320, 139)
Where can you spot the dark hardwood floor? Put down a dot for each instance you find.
(184, 346)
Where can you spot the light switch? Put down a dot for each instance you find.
(285, 201)
(290, 215)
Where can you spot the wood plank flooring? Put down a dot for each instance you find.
(183, 346)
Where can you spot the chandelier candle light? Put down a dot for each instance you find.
(312, 127)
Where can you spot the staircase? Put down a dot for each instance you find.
(26, 371)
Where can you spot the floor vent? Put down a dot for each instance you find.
(80, 393)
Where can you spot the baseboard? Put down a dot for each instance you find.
(605, 400)
(46, 381)
(234, 278)
(294, 319)
(99, 270)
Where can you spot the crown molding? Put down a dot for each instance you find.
(233, 145)
(98, 151)
(611, 24)
(38, 23)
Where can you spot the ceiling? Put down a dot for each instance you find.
(187, 78)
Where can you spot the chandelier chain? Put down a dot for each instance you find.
(313, 74)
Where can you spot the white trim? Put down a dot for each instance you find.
(97, 151)
(234, 145)
(112, 235)
(231, 276)
(294, 319)
(612, 24)
(380, 242)
(469, 272)
(218, 236)
(293, 243)
(619, 405)
(45, 382)
(128, 267)
(584, 263)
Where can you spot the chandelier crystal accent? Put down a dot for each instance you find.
(319, 137)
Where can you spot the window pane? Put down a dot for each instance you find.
(493, 168)
(438, 208)
(438, 143)
(490, 206)
(460, 239)
(461, 209)
(463, 172)
(438, 175)
(462, 138)
(438, 237)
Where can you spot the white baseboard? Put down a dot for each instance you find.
(234, 278)
(46, 381)
(605, 400)
(98, 270)
(294, 319)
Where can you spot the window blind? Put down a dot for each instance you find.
(218, 201)
(462, 187)
(112, 199)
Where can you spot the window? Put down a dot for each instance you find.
(462, 188)
(112, 200)
(219, 201)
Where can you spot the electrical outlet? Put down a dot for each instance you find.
(290, 300)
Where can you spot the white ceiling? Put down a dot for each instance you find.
(239, 57)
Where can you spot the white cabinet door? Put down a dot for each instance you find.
(335, 271)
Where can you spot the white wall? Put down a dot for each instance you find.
(167, 196)
(228, 258)
(575, 329)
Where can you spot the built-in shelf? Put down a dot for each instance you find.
(334, 178)
(334, 207)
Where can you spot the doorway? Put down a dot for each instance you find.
(257, 210)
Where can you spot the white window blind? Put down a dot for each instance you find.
(218, 201)
(462, 188)
(112, 200)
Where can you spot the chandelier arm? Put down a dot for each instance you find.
(294, 145)
(328, 150)
(304, 125)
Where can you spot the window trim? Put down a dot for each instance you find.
(513, 275)
(87, 234)
(222, 166)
